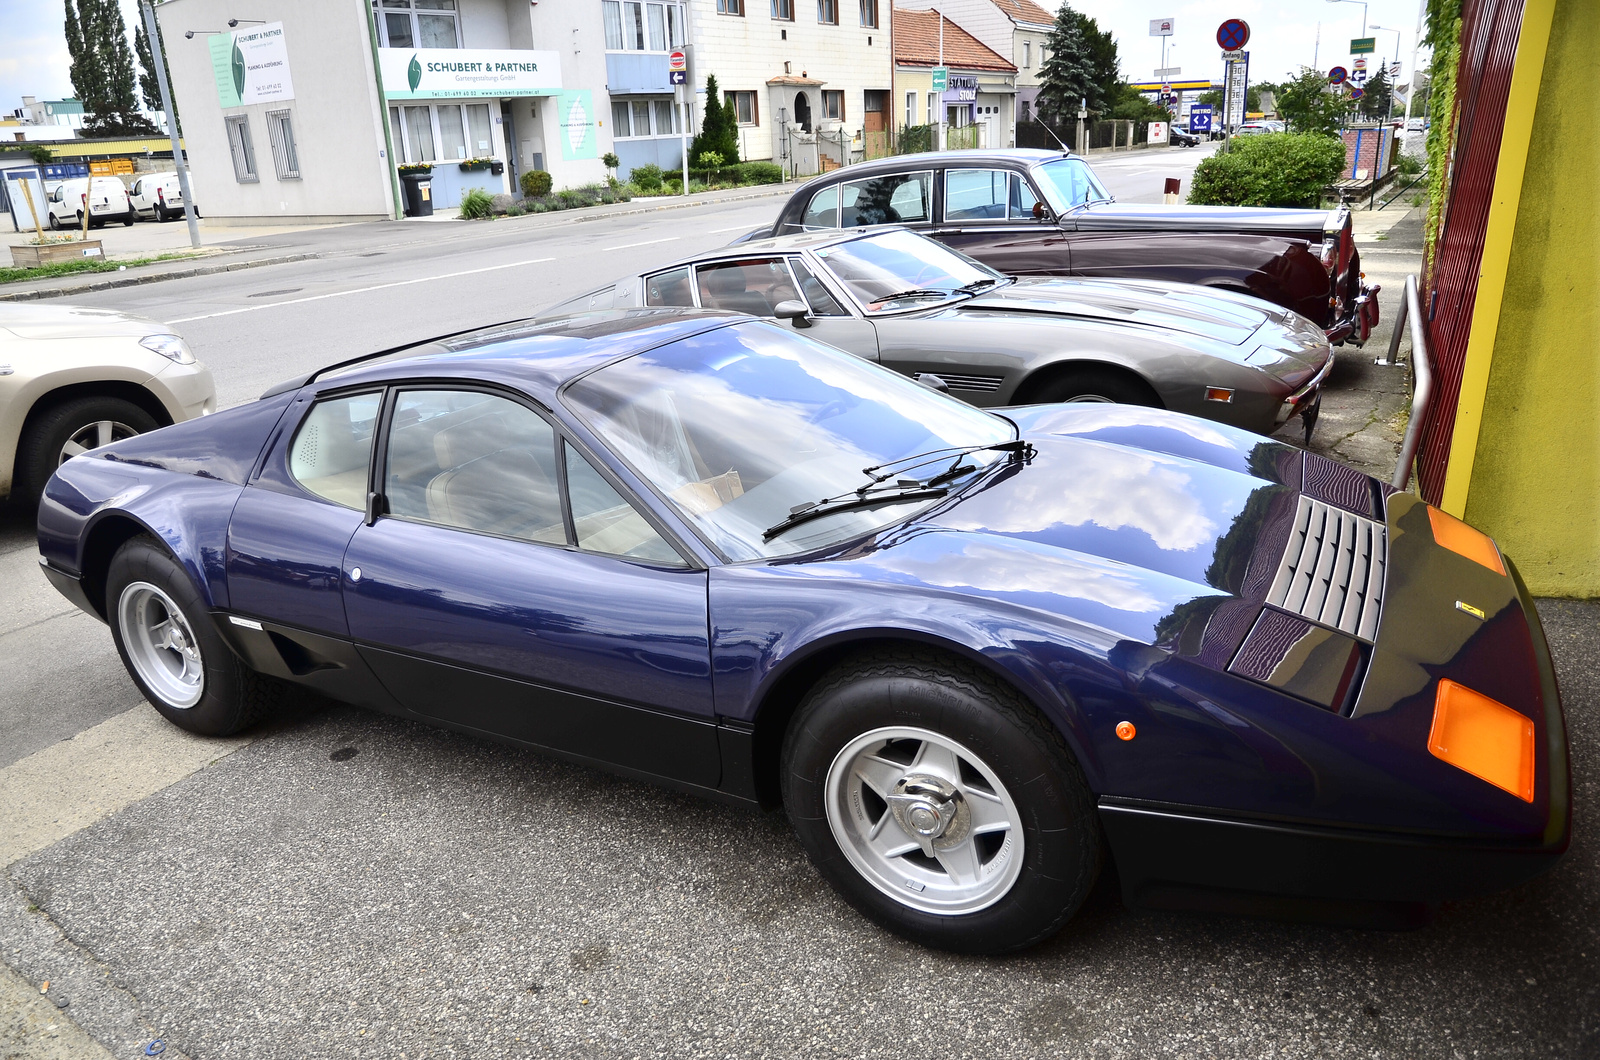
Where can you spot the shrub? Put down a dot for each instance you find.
(760, 173)
(1409, 165)
(647, 177)
(476, 205)
(536, 183)
(610, 160)
(1275, 169)
(720, 130)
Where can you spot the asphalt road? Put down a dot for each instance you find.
(434, 895)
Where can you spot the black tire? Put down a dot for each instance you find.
(48, 430)
(1096, 384)
(233, 697)
(55, 223)
(1061, 837)
(162, 217)
(133, 215)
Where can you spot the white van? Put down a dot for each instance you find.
(108, 201)
(159, 196)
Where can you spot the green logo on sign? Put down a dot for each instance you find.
(414, 74)
(238, 70)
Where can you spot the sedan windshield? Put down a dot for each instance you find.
(1069, 182)
(740, 427)
(902, 270)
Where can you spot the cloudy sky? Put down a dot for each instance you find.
(33, 52)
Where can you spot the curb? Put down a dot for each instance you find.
(138, 279)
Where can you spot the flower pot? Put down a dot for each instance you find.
(25, 257)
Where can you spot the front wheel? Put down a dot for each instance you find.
(131, 217)
(172, 651)
(940, 804)
(56, 434)
(55, 223)
(1096, 385)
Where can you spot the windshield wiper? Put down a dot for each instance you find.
(921, 292)
(1016, 447)
(866, 497)
(977, 285)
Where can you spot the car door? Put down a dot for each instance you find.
(988, 214)
(510, 587)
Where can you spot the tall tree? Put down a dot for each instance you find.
(88, 79)
(1067, 74)
(719, 131)
(1375, 99)
(1105, 67)
(1308, 105)
(102, 69)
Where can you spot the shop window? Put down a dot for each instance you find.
(869, 14)
(243, 151)
(730, 7)
(832, 106)
(744, 104)
(480, 133)
(828, 12)
(417, 23)
(452, 134)
(419, 134)
(285, 156)
(783, 9)
(637, 26)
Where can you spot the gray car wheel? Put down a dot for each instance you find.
(1093, 384)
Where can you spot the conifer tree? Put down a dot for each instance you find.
(102, 69)
(149, 87)
(719, 132)
(1067, 73)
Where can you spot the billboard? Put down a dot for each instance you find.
(251, 65)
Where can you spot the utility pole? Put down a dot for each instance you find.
(154, 32)
(939, 114)
(1416, 45)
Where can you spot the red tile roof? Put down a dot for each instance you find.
(1024, 11)
(916, 43)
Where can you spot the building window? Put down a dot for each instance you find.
(828, 12)
(744, 104)
(634, 26)
(832, 106)
(869, 14)
(634, 118)
(1044, 56)
(730, 7)
(243, 151)
(1027, 55)
(1027, 111)
(911, 108)
(933, 108)
(417, 129)
(417, 23)
(783, 9)
(285, 157)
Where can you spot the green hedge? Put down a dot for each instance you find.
(1275, 169)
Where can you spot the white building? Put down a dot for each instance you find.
(1017, 30)
(46, 120)
(283, 120)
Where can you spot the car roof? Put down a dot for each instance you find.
(537, 357)
(781, 244)
(1026, 156)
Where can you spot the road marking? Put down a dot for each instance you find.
(646, 243)
(364, 290)
(72, 784)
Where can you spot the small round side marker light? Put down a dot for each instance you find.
(1126, 731)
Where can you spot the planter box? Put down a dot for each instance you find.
(33, 257)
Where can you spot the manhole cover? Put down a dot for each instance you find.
(269, 294)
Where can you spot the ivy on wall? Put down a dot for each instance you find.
(1444, 37)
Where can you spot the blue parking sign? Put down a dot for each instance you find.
(1200, 117)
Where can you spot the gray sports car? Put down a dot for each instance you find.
(893, 296)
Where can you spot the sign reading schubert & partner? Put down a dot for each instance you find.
(434, 73)
(251, 65)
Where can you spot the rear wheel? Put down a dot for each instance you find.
(132, 216)
(57, 434)
(55, 223)
(172, 651)
(1091, 384)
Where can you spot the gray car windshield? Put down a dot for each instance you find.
(1068, 182)
(738, 427)
(902, 270)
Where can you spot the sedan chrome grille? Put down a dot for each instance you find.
(988, 383)
(1332, 569)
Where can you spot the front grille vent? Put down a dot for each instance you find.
(1332, 569)
(987, 383)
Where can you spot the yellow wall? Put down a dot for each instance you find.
(1535, 477)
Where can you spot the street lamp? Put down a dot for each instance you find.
(1363, 4)
(1389, 110)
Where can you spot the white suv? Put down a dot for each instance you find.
(107, 199)
(159, 196)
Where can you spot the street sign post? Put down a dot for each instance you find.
(678, 77)
(1200, 118)
(1235, 56)
(941, 78)
(1363, 45)
(1357, 92)
(677, 69)
(1161, 27)
(1168, 72)
(1233, 34)
(1337, 75)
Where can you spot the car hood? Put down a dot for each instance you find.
(27, 321)
(1181, 308)
(1125, 518)
(1122, 216)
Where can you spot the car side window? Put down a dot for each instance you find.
(901, 198)
(476, 462)
(606, 522)
(822, 303)
(981, 195)
(752, 285)
(823, 210)
(669, 288)
(332, 448)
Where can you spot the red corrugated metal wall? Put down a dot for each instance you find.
(1489, 30)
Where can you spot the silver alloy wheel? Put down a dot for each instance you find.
(93, 436)
(160, 644)
(924, 820)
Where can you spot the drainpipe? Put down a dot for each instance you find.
(383, 114)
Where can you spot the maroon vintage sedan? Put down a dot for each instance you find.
(1026, 212)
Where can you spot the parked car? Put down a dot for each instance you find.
(893, 296)
(159, 196)
(1182, 137)
(1027, 212)
(967, 652)
(1257, 128)
(74, 378)
(107, 198)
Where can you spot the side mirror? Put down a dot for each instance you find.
(794, 311)
(1041, 212)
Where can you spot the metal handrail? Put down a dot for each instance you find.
(1422, 382)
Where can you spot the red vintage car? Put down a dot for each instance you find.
(1028, 212)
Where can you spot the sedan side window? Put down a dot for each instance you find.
(606, 522)
(754, 285)
(669, 288)
(981, 195)
(823, 212)
(901, 198)
(474, 461)
(333, 446)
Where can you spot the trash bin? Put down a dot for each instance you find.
(418, 191)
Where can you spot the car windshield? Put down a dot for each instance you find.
(738, 427)
(1068, 182)
(902, 270)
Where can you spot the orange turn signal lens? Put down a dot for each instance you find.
(1219, 393)
(1126, 731)
(1450, 532)
(1484, 737)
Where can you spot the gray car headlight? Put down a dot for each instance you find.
(171, 347)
